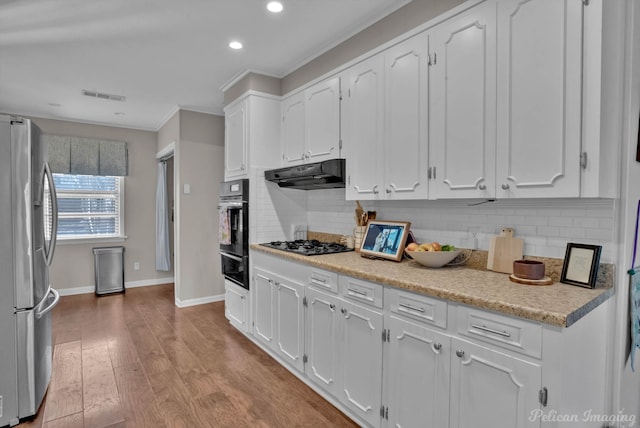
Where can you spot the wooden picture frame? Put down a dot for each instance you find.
(581, 263)
(385, 239)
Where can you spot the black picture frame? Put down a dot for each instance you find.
(581, 263)
(385, 239)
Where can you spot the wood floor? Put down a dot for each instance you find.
(135, 360)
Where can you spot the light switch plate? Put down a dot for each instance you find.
(187, 189)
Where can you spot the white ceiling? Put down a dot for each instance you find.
(160, 54)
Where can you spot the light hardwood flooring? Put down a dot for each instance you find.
(136, 360)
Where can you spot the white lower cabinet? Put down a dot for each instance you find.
(417, 372)
(388, 357)
(236, 305)
(361, 361)
(344, 352)
(491, 388)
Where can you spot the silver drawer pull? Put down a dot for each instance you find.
(490, 330)
(359, 294)
(409, 307)
(322, 280)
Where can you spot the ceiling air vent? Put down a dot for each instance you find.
(103, 96)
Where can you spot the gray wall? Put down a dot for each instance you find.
(199, 162)
(399, 22)
(73, 263)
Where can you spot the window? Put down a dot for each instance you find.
(89, 206)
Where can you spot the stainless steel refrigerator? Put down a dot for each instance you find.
(28, 224)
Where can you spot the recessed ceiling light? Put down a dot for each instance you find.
(120, 113)
(235, 45)
(274, 6)
(54, 104)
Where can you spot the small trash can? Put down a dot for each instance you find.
(109, 268)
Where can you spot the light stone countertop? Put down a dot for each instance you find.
(557, 304)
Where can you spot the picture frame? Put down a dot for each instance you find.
(580, 265)
(385, 239)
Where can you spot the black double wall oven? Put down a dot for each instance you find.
(233, 209)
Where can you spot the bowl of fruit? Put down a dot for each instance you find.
(431, 254)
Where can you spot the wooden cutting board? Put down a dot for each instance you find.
(503, 250)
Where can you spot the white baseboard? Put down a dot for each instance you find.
(199, 301)
(131, 284)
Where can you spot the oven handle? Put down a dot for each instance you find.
(231, 256)
(222, 204)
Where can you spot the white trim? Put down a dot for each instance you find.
(80, 241)
(255, 93)
(167, 152)
(235, 79)
(198, 301)
(166, 119)
(131, 284)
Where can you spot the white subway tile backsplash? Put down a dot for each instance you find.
(545, 225)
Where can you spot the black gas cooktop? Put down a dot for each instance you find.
(308, 247)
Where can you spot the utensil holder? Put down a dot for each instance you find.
(358, 235)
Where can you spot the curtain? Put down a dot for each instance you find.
(86, 156)
(163, 258)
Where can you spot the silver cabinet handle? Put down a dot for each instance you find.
(491, 330)
(505, 186)
(482, 186)
(437, 346)
(375, 189)
(358, 292)
(332, 306)
(460, 353)
(344, 311)
(411, 308)
(387, 190)
(322, 280)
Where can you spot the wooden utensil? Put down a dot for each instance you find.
(503, 250)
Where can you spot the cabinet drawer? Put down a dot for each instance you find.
(417, 307)
(361, 291)
(511, 333)
(323, 280)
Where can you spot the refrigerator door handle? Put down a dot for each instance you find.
(54, 213)
(40, 312)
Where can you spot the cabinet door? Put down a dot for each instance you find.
(492, 389)
(462, 105)
(405, 125)
(293, 134)
(363, 125)
(235, 306)
(321, 339)
(236, 141)
(264, 304)
(322, 120)
(361, 357)
(418, 375)
(539, 61)
(290, 322)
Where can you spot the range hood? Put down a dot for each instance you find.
(320, 175)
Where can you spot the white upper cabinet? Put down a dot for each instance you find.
(252, 135)
(539, 102)
(236, 141)
(362, 129)
(462, 81)
(385, 123)
(293, 145)
(311, 124)
(405, 122)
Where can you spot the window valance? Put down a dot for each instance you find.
(86, 156)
